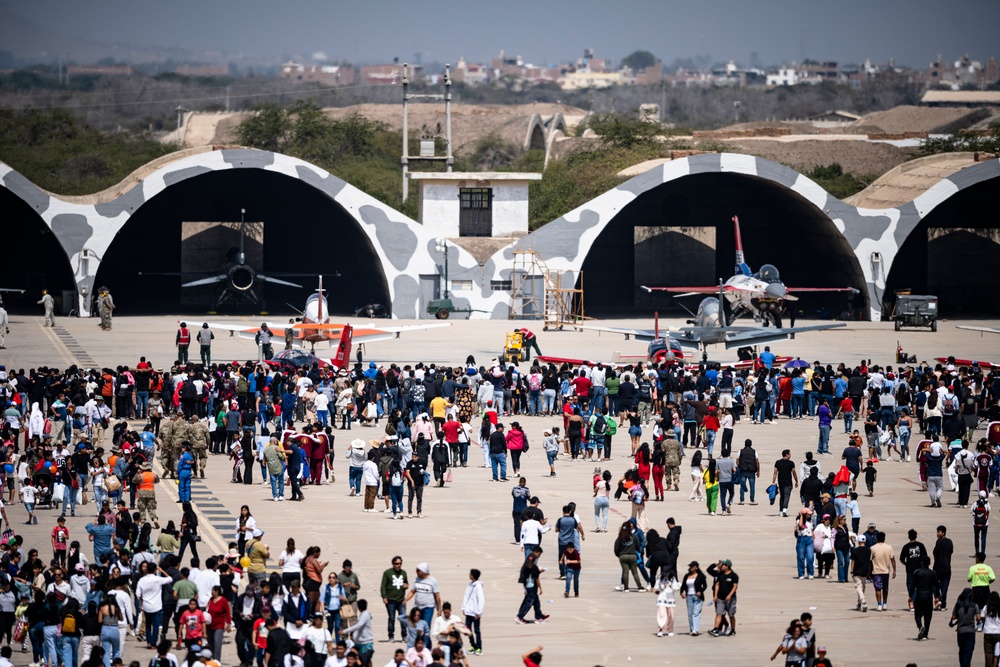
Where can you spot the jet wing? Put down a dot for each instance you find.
(821, 289)
(980, 329)
(738, 336)
(689, 291)
(331, 331)
(646, 335)
(618, 360)
(206, 281)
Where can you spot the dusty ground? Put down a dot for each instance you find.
(468, 522)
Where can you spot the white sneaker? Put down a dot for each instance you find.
(277, 499)
(619, 587)
(659, 634)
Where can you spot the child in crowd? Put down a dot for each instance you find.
(855, 511)
(28, 495)
(570, 559)
(550, 442)
(870, 476)
(665, 604)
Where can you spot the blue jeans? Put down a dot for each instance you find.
(804, 552)
(111, 641)
(823, 446)
(36, 633)
(598, 401)
(49, 650)
(69, 500)
(759, 410)
(797, 400)
(549, 400)
(710, 441)
(886, 417)
(333, 621)
(153, 622)
(323, 416)
(396, 493)
(601, 506)
(354, 478)
(848, 421)
(427, 613)
(499, 460)
(277, 485)
(142, 403)
(392, 609)
(184, 488)
(751, 479)
(694, 612)
(68, 647)
(534, 402)
(843, 558)
(573, 576)
(811, 403)
(725, 489)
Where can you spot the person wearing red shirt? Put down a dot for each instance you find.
(451, 429)
(222, 620)
(847, 408)
(581, 384)
(533, 658)
(711, 423)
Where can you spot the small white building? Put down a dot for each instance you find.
(492, 203)
(786, 76)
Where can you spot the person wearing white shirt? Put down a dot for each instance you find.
(319, 636)
(149, 594)
(322, 405)
(206, 580)
(473, 603)
(531, 535)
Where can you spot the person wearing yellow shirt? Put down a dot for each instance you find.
(439, 410)
(980, 577)
(711, 478)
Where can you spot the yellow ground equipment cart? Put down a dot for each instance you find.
(514, 349)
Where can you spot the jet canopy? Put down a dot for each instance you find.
(769, 273)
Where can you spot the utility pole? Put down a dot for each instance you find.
(180, 116)
(406, 157)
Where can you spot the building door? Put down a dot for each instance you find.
(430, 289)
(475, 212)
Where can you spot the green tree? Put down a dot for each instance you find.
(623, 132)
(638, 60)
(267, 128)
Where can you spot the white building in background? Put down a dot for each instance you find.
(455, 204)
(786, 76)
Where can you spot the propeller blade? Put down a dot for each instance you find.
(206, 281)
(275, 281)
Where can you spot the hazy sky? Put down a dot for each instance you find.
(543, 31)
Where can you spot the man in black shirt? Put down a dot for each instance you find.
(784, 476)
(415, 475)
(926, 592)
(912, 556)
(498, 454)
(277, 644)
(861, 559)
(943, 550)
(724, 594)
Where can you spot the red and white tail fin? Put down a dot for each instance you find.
(741, 265)
(342, 357)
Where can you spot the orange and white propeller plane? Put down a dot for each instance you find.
(314, 326)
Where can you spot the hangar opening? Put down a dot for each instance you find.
(292, 229)
(37, 261)
(681, 233)
(952, 253)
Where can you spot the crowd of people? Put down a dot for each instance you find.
(71, 433)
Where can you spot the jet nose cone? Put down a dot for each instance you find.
(775, 290)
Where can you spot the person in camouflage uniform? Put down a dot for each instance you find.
(672, 463)
(145, 480)
(197, 434)
(171, 437)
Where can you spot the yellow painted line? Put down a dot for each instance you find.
(63, 351)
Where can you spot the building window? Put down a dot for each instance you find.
(501, 285)
(461, 285)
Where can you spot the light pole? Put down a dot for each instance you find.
(441, 245)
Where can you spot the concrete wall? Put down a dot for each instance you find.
(440, 206)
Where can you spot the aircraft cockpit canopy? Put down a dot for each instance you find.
(768, 273)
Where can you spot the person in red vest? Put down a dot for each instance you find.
(183, 341)
(529, 342)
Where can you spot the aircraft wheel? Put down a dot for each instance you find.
(898, 326)
(442, 314)
(933, 325)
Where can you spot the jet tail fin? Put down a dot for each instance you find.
(342, 358)
(741, 265)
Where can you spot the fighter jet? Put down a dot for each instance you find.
(709, 327)
(240, 280)
(314, 326)
(761, 293)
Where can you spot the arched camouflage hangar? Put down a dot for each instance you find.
(323, 225)
(796, 221)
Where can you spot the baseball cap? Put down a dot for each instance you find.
(726, 562)
(862, 539)
(534, 499)
(424, 567)
(821, 649)
(871, 525)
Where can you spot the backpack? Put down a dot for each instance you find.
(600, 426)
(397, 479)
(189, 390)
(534, 382)
(948, 408)
(904, 395)
(241, 385)
(612, 425)
(69, 624)
(980, 515)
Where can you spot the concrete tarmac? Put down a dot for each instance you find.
(468, 524)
